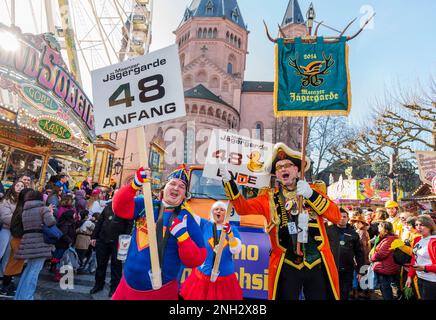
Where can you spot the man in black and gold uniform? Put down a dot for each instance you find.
(300, 258)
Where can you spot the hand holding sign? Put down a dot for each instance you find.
(231, 156)
(131, 94)
(224, 171)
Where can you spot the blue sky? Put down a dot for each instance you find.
(400, 47)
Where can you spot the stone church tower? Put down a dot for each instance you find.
(213, 39)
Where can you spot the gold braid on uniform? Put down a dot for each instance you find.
(288, 194)
(318, 203)
(231, 190)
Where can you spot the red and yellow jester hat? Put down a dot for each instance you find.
(181, 174)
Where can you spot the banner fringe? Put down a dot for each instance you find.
(318, 113)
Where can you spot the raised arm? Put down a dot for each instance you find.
(258, 205)
(191, 254)
(123, 203)
(319, 202)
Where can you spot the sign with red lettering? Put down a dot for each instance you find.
(244, 157)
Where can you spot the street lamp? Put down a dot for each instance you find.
(310, 15)
(117, 166)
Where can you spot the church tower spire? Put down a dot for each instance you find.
(227, 9)
(293, 24)
(293, 14)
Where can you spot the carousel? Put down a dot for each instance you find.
(45, 115)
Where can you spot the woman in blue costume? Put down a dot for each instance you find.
(198, 285)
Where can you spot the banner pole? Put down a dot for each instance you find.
(220, 247)
(148, 205)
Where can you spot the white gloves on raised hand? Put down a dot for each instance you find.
(304, 189)
(225, 174)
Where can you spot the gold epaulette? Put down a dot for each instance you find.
(318, 202)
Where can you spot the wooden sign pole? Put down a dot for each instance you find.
(155, 275)
(220, 247)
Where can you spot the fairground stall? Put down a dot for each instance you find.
(358, 193)
(425, 195)
(44, 113)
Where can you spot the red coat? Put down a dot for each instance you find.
(383, 257)
(264, 205)
(432, 252)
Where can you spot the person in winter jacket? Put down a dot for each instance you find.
(347, 251)
(62, 183)
(361, 225)
(55, 199)
(7, 208)
(383, 258)
(423, 263)
(67, 225)
(14, 267)
(105, 240)
(66, 204)
(86, 186)
(94, 204)
(80, 201)
(83, 235)
(32, 247)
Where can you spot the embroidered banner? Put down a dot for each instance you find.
(311, 79)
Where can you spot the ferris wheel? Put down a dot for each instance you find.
(91, 34)
(95, 33)
(109, 31)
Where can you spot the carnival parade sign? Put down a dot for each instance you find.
(144, 90)
(244, 157)
(312, 79)
(426, 166)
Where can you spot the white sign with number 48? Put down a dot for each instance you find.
(144, 90)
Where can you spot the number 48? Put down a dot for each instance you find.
(115, 100)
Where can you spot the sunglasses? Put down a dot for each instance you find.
(284, 166)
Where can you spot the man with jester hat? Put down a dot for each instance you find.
(300, 259)
(179, 238)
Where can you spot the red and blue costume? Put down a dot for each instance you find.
(186, 247)
(226, 287)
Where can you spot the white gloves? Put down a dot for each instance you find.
(304, 189)
(225, 174)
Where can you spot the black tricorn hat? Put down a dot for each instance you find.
(282, 152)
